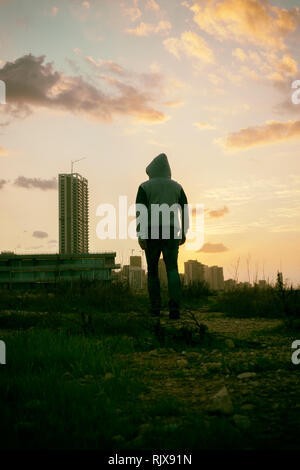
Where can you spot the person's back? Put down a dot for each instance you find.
(161, 231)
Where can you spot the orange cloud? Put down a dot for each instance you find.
(204, 125)
(133, 12)
(269, 133)
(212, 248)
(106, 65)
(254, 21)
(283, 68)
(268, 65)
(218, 212)
(191, 45)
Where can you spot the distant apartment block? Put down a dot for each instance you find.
(136, 278)
(133, 274)
(73, 214)
(194, 272)
(136, 275)
(136, 261)
(216, 278)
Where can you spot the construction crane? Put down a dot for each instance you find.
(75, 161)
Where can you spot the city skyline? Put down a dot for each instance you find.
(119, 83)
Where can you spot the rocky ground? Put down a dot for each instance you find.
(242, 372)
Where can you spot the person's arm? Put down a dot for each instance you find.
(184, 215)
(141, 198)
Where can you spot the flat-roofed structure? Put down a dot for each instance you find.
(194, 271)
(136, 261)
(33, 269)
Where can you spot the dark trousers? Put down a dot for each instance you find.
(169, 248)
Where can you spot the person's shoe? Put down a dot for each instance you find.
(174, 313)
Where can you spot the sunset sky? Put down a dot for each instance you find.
(208, 82)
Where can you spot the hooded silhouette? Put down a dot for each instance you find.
(159, 167)
(161, 189)
(162, 234)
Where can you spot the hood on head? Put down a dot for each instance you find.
(159, 167)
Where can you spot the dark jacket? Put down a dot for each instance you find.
(161, 189)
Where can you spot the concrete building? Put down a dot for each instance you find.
(194, 271)
(162, 273)
(134, 276)
(136, 261)
(216, 278)
(28, 270)
(73, 214)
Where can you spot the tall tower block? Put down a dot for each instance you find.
(73, 214)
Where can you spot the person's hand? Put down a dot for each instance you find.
(142, 243)
(182, 240)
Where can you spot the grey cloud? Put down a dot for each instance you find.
(2, 183)
(39, 234)
(213, 248)
(31, 83)
(38, 183)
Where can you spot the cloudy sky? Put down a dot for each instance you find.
(208, 82)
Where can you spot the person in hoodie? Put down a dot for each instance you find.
(160, 233)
